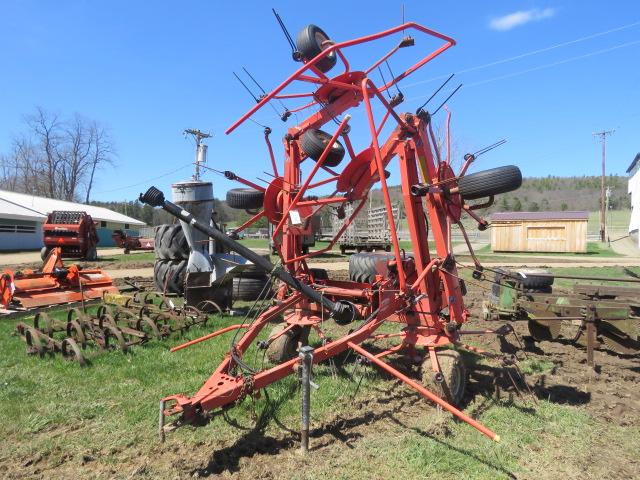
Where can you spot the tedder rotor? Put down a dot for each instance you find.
(421, 291)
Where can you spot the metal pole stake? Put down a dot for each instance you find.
(306, 357)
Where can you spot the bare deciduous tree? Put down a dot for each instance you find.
(56, 158)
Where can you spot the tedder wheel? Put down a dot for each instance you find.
(285, 346)
(309, 44)
(245, 198)
(454, 376)
(490, 182)
(92, 254)
(44, 252)
(314, 142)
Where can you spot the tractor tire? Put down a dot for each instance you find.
(490, 182)
(285, 346)
(92, 254)
(309, 44)
(169, 276)
(170, 243)
(319, 274)
(454, 375)
(249, 288)
(533, 283)
(44, 252)
(245, 198)
(362, 266)
(314, 142)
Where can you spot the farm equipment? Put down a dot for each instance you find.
(73, 232)
(366, 233)
(54, 284)
(421, 293)
(119, 322)
(130, 242)
(608, 313)
(187, 262)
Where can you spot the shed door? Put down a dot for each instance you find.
(546, 239)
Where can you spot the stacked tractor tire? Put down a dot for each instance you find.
(171, 256)
(251, 284)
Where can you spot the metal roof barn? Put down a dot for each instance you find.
(22, 216)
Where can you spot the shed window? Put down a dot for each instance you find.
(103, 224)
(126, 226)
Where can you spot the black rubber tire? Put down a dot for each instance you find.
(490, 182)
(362, 266)
(285, 346)
(245, 198)
(309, 44)
(454, 373)
(170, 274)
(314, 142)
(249, 288)
(44, 251)
(170, 243)
(319, 274)
(533, 282)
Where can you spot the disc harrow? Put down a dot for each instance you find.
(119, 323)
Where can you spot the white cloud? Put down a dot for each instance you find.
(515, 19)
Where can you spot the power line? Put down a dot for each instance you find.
(146, 181)
(603, 140)
(542, 67)
(528, 54)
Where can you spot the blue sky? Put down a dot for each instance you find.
(148, 70)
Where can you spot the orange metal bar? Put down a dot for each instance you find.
(425, 393)
(207, 337)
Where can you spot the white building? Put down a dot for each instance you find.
(634, 191)
(22, 216)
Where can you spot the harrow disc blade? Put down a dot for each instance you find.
(621, 336)
(544, 330)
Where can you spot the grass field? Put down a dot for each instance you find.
(594, 249)
(101, 421)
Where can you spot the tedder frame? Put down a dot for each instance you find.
(422, 291)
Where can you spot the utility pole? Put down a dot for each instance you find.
(603, 140)
(201, 149)
(608, 219)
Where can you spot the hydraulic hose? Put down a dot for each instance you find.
(341, 311)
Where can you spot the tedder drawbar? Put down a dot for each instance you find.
(420, 291)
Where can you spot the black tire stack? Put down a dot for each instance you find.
(362, 266)
(172, 254)
(251, 284)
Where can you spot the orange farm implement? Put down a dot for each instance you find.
(54, 284)
(421, 293)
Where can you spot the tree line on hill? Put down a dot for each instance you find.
(536, 194)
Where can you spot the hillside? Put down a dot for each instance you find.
(547, 193)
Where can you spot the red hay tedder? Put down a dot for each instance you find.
(421, 292)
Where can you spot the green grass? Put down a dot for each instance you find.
(593, 249)
(602, 272)
(57, 411)
(130, 258)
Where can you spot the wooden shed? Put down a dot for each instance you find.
(539, 232)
